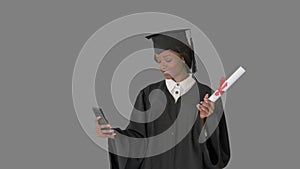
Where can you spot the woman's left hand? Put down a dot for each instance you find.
(205, 107)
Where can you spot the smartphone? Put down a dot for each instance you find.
(98, 112)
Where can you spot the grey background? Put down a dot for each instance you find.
(40, 41)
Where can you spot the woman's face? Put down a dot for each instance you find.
(170, 63)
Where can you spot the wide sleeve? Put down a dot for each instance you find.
(216, 147)
(124, 146)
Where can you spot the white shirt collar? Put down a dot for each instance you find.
(178, 89)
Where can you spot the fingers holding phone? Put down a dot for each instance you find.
(104, 130)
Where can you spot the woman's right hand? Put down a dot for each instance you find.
(104, 133)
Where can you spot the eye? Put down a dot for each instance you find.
(168, 60)
(157, 61)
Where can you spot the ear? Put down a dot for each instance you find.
(182, 58)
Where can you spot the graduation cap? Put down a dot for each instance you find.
(179, 41)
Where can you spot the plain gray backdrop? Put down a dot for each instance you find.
(40, 41)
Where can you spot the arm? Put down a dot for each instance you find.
(124, 142)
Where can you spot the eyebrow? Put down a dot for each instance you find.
(168, 54)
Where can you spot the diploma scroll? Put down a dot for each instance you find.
(227, 84)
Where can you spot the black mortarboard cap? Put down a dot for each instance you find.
(179, 41)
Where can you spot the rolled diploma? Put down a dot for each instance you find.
(230, 81)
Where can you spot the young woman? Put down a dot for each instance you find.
(183, 93)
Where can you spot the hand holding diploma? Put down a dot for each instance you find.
(226, 84)
(206, 107)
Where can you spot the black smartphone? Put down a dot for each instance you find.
(98, 112)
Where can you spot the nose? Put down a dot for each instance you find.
(162, 66)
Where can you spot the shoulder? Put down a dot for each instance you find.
(204, 88)
(143, 94)
(156, 85)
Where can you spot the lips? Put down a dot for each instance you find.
(167, 74)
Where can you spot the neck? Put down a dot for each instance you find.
(181, 77)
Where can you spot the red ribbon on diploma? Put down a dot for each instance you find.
(221, 87)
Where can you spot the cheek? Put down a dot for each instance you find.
(174, 68)
(176, 65)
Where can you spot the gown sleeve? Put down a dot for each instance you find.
(216, 148)
(124, 145)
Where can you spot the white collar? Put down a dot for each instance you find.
(183, 86)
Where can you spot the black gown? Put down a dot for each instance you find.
(202, 147)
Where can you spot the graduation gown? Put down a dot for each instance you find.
(202, 147)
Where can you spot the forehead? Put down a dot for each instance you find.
(166, 53)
